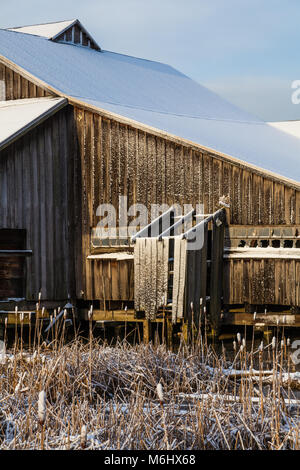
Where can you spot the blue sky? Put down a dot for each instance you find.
(245, 50)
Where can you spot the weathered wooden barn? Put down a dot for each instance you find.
(80, 126)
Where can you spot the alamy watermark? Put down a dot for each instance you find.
(125, 222)
(295, 98)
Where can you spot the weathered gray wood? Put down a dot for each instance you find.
(179, 279)
(34, 195)
(151, 274)
(216, 275)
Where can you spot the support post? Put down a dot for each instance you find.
(170, 334)
(267, 334)
(216, 280)
(146, 331)
(185, 331)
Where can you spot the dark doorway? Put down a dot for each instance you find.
(12, 263)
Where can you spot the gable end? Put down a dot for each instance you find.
(78, 35)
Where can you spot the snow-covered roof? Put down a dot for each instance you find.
(19, 116)
(290, 127)
(62, 31)
(47, 30)
(156, 95)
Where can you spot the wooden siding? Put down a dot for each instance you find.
(36, 181)
(17, 87)
(112, 279)
(118, 159)
(262, 281)
(12, 272)
(151, 268)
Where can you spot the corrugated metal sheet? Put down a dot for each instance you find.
(156, 95)
(18, 116)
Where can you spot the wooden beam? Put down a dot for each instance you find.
(269, 319)
(146, 331)
(216, 275)
(12, 318)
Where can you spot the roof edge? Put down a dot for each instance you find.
(194, 145)
(61, 103)
(27, 75)
(160, 133)
(39, 24)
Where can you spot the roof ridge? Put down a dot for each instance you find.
(40, 24)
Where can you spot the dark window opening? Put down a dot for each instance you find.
(264, 243)
(288, 244)
(276, 243)
(298, 244)
(242, 244)
(69, 35)
(253, 244)
(76, 34)
(12, 266)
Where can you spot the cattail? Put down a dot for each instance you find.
(2, 354)
(18, 386)
(201, 301)
(261, 347)
(43, 311)
(254, 316)
(126, 308)
(234, 345)
(284, 319)
(244, 342)
(40, 296)
(90, 314)
(65, 314)
(22, 317)
(238, 337)
(273, 342)
(241, 347)
(288, 342)
(83, 437)
(5, 321)
(192, 305)
(282, 344)
(265, 311)
(160, 392)
(204, 309)
(42, 407)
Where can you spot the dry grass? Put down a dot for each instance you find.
(104, 397)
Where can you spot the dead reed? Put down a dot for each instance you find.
(91, 395)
